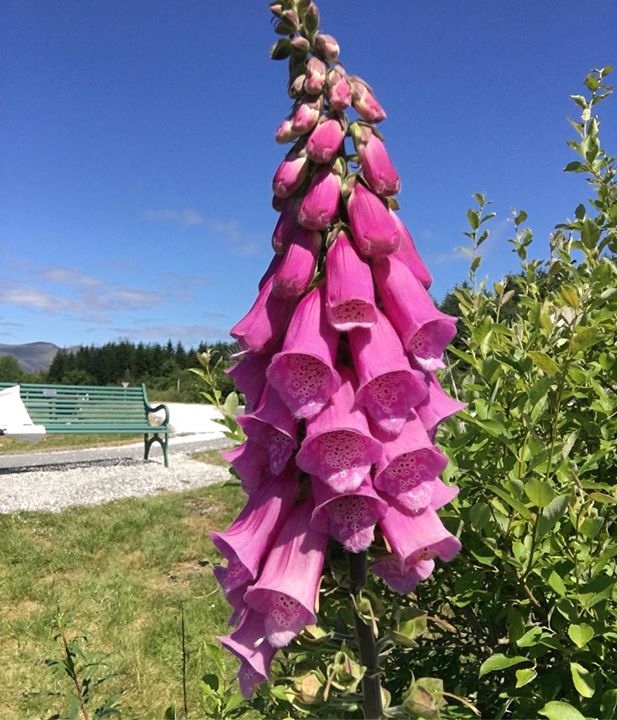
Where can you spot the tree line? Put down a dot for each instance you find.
(165, 369)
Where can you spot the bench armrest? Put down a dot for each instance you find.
(150, 409)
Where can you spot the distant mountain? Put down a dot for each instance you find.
(32, 357)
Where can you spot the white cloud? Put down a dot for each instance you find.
(237, 239)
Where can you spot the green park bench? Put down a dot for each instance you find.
(69, 409)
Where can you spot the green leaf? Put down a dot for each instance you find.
(474, 220)
(557, 584)
(520, 217)
(574, 166)
(530, 638)
(583, 680)
(500, 662)
(513, 502)
(544, 362)
(580, 634)
(558, 710)
(539, 492)
(552, 513)
(525, 676)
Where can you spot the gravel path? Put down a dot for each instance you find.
(63, 479)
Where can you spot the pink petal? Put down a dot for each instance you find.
(251, 535)
(349, 517)
(350, 296)
(372, 227)
(338, 447)
(408, 254)
(437, 405)
(273, 427)
(303, 372)
(264, 323)
(248, 643)
(424, 330)
(389, 388)
(286, 591)
(409, 465)
(250, 461)
(325, 140)
(295, 272)
(378, 168)
(321, 200)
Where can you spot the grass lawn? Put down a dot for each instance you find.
(120, 571)
(8, 446)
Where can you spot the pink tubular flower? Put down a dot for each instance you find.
(408, 254)
(264, 323)
(424, 330)
(286, 591)
(315, 76)
(303, 372)
(250, 461)
(364, 102)
(338, 447)
(285, 226)
(350, 518)
(290, 174)
(272, 426)
(306, 116)
(409, 466)
(350, 296)
(274, 265)
(377, 166)
(249, 645)
(415, 540)
(249, 375)
(321, 200)
(250, 537)
(389, 388)
(372, 227)
(294, 274)
(437, 405)
(325, 140)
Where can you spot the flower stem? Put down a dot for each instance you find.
(369, 657)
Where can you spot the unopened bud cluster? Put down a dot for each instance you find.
(337, 365)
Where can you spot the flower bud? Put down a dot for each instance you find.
(306, 116)
(325, 140)
(291, 174)
(327, 48)
(376, 164)
(285, 227)
(295, 272)
(410, 624)
(311, 18)
(315, 76)
(339, 94)
(296, 86)
(321, 201)
(309, 688)
(285, 132)
(425, 698)
(364, 102)
(300, 44)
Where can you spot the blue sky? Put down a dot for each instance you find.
(137, 146)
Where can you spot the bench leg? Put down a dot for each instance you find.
(162, 442)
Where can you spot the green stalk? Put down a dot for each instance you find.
(369, 657)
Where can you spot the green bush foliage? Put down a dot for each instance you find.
(532, 594)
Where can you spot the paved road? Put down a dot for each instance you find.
(180, 445)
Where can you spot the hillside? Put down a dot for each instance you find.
(32, 357)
